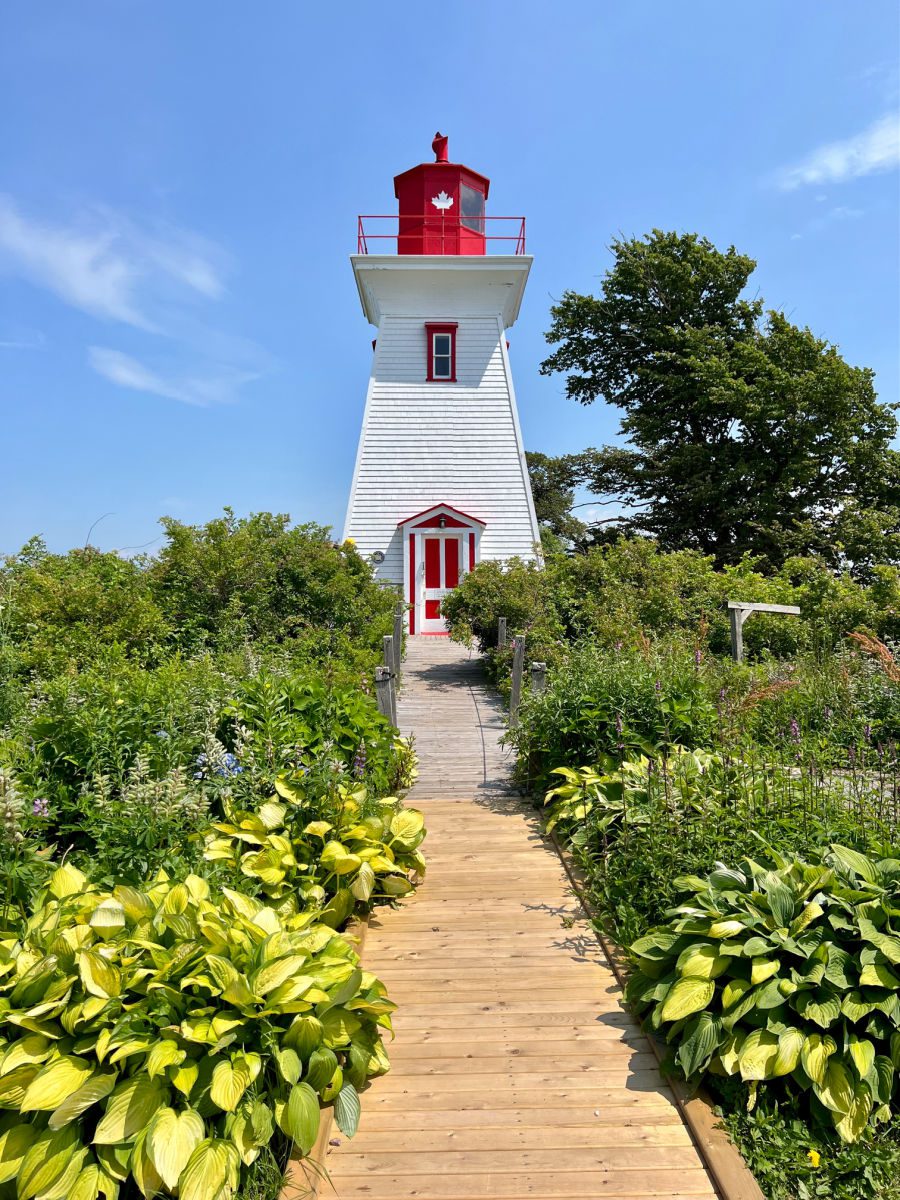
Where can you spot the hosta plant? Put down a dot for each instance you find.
(786, 974)
(158, 1039)
(353, 860)
(617, 792)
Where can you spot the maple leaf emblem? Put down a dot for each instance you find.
(442, 201)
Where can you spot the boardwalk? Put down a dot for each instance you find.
(516, 1071)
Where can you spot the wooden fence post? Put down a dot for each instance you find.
(515, 694)
(538, 677)
(737, 634)
(398, 640)
(388, 646)
(501, 633)
(383, 692)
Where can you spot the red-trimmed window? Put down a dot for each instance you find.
(441, 352)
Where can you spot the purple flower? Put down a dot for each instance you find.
(658, 686)
(41, 808)
(867, 732)
(828, 713)
(162, 734)
(795, 729)
(618, 646)
(359, 761)
(619, 724)
(698, 656)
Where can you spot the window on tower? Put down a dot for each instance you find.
(471, 208)
(441, 352)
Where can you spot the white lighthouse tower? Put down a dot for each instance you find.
(440, 481)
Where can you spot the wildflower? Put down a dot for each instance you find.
(658, 686)
(867, 732)
(619, 724)
(11, 809)
(41, 808)
(828, 713)
(162, 734)
(359, 761)
(795, 729)
(814, 1157)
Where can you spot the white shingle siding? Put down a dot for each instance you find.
(425, 443)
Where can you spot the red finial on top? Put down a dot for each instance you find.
(439, 146)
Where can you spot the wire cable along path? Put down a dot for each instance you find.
(516, 1070)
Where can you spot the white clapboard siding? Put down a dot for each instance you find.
(424, 443)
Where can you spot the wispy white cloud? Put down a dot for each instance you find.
(20, 337)
(840, 212)
(107, 265)
(220, 384)
(872, 150)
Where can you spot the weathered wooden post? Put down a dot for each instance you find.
(515, 694)
(398, 641)
(501, 633)
(737, 634)
(383, 692)
(538, 677)
(739, 611)
(387, 643)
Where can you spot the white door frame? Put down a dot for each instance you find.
(467, 530)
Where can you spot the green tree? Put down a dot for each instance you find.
(553, 483)
(743, 432)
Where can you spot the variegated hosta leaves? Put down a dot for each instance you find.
(175, 1030)
(358, 860)
(785, 972)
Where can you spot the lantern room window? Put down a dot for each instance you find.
(441, 352)
(471, 207)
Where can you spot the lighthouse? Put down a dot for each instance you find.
(440, 482)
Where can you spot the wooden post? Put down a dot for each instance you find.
(515, 694)
(398, 640)
(538, 677)
(389, 655)
(501, 633)
(383, 692)
(737, 634)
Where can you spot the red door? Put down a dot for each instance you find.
(432, 577)
(442, 559)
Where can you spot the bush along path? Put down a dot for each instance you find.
(516, 1069)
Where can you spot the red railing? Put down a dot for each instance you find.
(441, 234)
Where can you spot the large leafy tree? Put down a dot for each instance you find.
(742, 432)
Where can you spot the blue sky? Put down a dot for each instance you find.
(179, 328)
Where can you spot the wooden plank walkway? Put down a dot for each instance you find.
(516, 1071)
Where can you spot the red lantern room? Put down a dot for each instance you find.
(441, 206)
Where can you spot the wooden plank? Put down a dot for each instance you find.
(628, 1116)
(428, 1181)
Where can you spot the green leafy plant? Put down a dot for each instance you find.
(165, 1036)
(358, 858)
(786, 973)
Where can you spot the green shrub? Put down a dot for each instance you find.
(358, 857)
(164, 1036)
(784, 973)
(616, 593)
(257, 579)
(600, 703)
